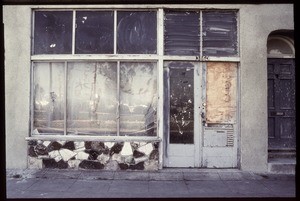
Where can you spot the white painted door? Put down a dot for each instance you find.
(200, 114)
(182, 136)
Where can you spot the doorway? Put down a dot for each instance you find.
(182, 86)
(281, 95)
(200, 121)
(281, 103)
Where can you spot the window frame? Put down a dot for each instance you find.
(159, 57)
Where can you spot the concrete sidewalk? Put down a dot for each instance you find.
(176, 183)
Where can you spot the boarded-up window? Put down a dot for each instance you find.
(182, 33)
(219, 33)
(221, 92)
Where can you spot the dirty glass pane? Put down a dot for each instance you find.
(182, 33)
(181, 102)
(92, 98)
(136, 32)
(94, 32)
(48, 98)
(219, 33)
(53, 32)
(138, 99)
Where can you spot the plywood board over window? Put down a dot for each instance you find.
(221, 92)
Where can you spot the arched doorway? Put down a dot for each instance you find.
(281, 95)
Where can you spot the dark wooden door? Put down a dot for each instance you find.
(281, 103)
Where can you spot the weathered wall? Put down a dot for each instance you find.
(256, 23)
(17, 22)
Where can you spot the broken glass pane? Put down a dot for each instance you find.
(94, 32)
(92, 98)
(136, 32)
(53, 32)
(182, 33)
(219, 33)
(138, 99)
(181, 102)
(48, 99)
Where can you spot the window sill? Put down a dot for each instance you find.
(95, 138)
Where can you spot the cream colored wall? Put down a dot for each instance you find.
(256, 23)
(17, 22)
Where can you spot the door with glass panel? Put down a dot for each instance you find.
(199, 104)
(181, 90)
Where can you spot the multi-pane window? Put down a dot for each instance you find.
(95, 97)
(101, 72)
(210, 33)
(94, 32)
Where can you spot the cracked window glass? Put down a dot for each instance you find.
(181, 102)
(53, 32)
(48, 99)
(92, 98)
(138, 99)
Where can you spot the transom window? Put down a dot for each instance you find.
(95, 72)
(94, 32)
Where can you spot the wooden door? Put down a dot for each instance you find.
(281, 103)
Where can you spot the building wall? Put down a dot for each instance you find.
(17, 22)
(256, 23)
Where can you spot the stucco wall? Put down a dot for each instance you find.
(256, 23)
(17, 22)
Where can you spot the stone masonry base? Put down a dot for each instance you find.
(93, 155)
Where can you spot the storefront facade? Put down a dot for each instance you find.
(140, 87)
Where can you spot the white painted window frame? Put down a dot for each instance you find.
(159, 58)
